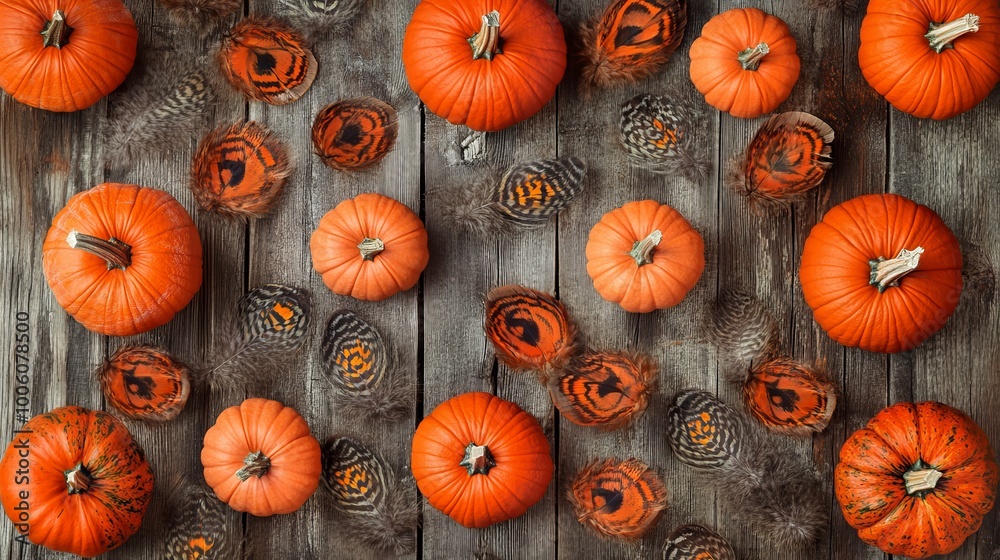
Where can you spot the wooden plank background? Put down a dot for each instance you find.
(436, 327)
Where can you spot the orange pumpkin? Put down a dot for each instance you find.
(745, 62)
(65, 55)
(369, 247)
(122, 259)
(881, 273)
(144, 383)
(931, 58)
(917, 480)
(260, 458)
(487, 64)
(74, 481)
(481, 460)
(644, 256)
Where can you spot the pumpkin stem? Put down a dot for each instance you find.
(887, 272)
(486, 43)
(921, 479)
(941, 35)
(371, 247)
(750, 58)
(78, 479)
(478, 459)
(642, 251)
(118, 254)
(56, 32)
(255, 464)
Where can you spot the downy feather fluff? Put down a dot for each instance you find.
(196, 524)
(366, 378)
(525, 197)
(164, 111)
(269, 326)
(375, 506)
(201, 15)
(659, 134)
(317, 17)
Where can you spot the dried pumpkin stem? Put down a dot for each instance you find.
(486, 43)
(921, 479)
(56, 32)
(116, 253)
(255, 464)
(642, 251)
(887, 272)
(750, 58)
(78, 479)
(941, 35)
(371, 247)
(478, 459)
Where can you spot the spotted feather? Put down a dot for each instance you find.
(197, 525)
(697, 542)
(356, 133)
(604, 389)
(267, 60)
(788, 157)
(239, 170)
(618, 499)
(659, 135)
(703, 432)
(529, 329)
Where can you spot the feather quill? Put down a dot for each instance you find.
(375, 506)
(201, 15)
(269, 326)
(197, 524)
(164, 112)
(318, 17)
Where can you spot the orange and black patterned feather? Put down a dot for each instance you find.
(704, 432)
(631, 40)
(145, 383)
(608, 390)
(375, 506)
(239, 170)
(658, 134)
(356, 133)
(267, 60)
(697, 542)
(788, 157)
(618, 499)
(789, 397)
(197, 525)
(529, 329)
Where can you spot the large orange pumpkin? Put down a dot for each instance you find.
(74, 481)
(481, 460)
(881, 273)
(931, 58)
(745, 62)
(369, 247)
(917, 480)
(644, 256)
(122, 259)
(65, 55)
(487, 64)
(260, 458)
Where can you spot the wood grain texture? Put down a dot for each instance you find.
(436, 328)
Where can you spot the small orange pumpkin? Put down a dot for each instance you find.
(122, 259)
(260, 458)
(369, 247)
(144, 383)
(644, 256)
(745, 62)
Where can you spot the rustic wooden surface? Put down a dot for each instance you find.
(436, 327)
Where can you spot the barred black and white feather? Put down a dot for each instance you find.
(704, 432)
(697, 542)
(742, 327)
(848, 6)
(165, 111)
(525, 197)
(317, 17)
(375, 506)
(270, 325)
(660, 134)
(203, 16)
(356, 361)
(196, 524)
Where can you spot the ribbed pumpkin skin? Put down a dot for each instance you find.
(523, 468)
(336, 257)
(678, 260)
(899, 64)
(835, 273)
(486, 95)
(717, 73)
(283, 436)
(98, 55)
(166, 259)
(872, 493)
(92, 522)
